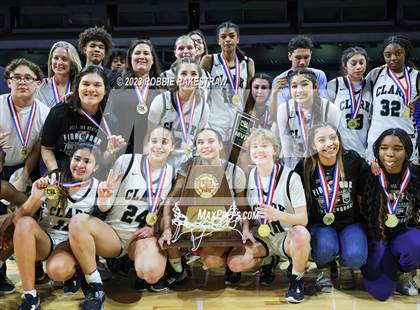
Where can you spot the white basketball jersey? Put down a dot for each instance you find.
(55, 221)
(388, 105)
(130, 206)
(222, 110)
(288, 195)
(353, 139)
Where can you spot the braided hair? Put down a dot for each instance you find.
(374, 201)
(402, 41)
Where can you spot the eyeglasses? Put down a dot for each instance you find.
(27, 79)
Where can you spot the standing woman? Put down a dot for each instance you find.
(394, 87)
(231, 72)
(303, 111)
(136, 187)
(200, 44)
(352, 94)
(276, 192)
(81, 119)
(63, 66)
(391, 205)
(47, 238)
(183, 110)
(331, 178)
(130, 104)
(209, 147)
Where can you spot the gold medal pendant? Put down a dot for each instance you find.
(24, 152)
(52, 192)
(151, 219)
(110, 147)
(141, 109)
(406, 112)
(352, 123)
(391, 221)
(236, 99)
(264, 230)
(188, 150)
(328, 218)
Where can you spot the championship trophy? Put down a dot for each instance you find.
(206, 213)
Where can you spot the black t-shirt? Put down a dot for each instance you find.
(65, 127)
(347, 209)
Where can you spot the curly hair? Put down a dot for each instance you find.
(374, 208)
(95, 34)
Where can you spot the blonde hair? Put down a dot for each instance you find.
(75, 63)
(266, 135)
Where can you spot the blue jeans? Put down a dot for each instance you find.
(350, 244)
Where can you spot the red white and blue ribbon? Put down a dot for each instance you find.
(392, 207)
(356, 102)
(271, 188)
(75, 184)
(153, 198)
(185, 128)
(106, 131)
(302, 124)
(23, 136)
(142, 93)
(405, 90)
(330, 194)
(56, 92)
(233, 80)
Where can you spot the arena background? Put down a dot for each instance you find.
(28, 28)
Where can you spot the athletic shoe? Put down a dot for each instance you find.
(232, 278)
(406, 285)
(72, 285)
(30, 302)
(169, 279)
(140, 285)
(295, 292)
(6, 286)
(323, 280)
(267, 271)
(39, 273)
(94, 297)
(347, 278)
(334, 269)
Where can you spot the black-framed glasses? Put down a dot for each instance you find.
(27, 79)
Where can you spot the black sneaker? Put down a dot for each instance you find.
(6, 286)
(140, 285)
(94, 297)
(72, 285)
(30, 302)
(267, 271)
(168, 280)
(39, 273)
(295, 292)
(232, 278)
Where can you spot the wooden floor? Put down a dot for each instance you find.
(206, 290)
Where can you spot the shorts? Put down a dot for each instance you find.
(125, 240)
(55, 239)
(273, 245)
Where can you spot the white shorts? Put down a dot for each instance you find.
(273, 245)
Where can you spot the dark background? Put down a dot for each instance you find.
(29, 28)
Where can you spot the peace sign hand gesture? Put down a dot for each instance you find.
(105, 189)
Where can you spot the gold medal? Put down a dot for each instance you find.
(391, 221)
(352, 123)
(52, 192)
(188, 150)
(24, 152)
(151, 219)
(264, 230)
(236, 99)
(406, 112)
(328, 218)
(141, 108)
(110, 147)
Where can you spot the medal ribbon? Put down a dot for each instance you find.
(392, 207)
(271, 188)
(330, 195)
(23, 137)
(106, 131)
(143, 93)
(185, 131)
(75, 184)
(56, 92)
(356, 102)
(233, 80)
(153, 197)
(406, 91)
(302, 124)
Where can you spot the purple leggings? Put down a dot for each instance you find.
(386, 257)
